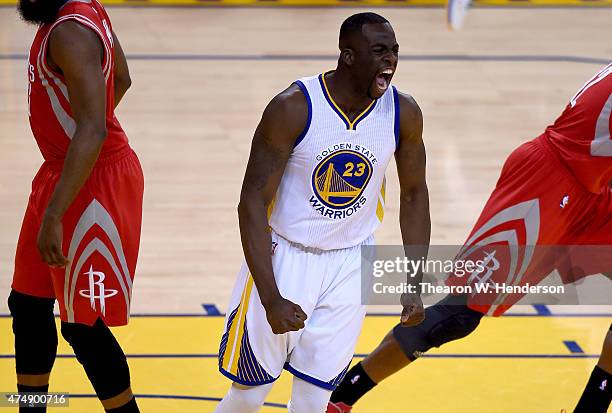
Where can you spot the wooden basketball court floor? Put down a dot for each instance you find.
(201, 79)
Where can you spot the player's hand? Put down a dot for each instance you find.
(413, 312)
(49, 242)
(284, 316)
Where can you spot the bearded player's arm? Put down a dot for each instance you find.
(121, 72)
(414, 217)
(77, 52)
(283, 120)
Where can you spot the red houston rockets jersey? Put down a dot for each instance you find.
(581, 135)
(51, 117)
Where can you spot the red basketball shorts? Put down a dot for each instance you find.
(537, 220)
(101, 236)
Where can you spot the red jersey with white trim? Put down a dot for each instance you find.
(51, 117)
(581, 135)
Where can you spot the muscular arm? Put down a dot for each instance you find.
(415, 222)
(282, 121)
(77, 52)
(123, 81)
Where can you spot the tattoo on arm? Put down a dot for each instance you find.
(266, 159)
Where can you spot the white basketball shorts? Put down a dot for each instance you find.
(327, 285)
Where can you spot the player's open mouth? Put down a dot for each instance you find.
(383, 79)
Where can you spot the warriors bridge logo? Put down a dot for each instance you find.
(339, 179)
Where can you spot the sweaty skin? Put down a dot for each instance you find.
(77, 53)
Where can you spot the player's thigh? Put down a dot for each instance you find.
(588, 243)
(31, 275)
(250, 353)
(101, 241)
(327, 344)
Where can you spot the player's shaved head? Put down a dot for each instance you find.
(354, 25)
(39, 11)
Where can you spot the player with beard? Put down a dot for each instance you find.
(81, 231)
(315, 177)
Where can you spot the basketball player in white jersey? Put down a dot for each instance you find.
(312, 195)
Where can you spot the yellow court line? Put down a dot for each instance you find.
(334, 3)
(505, 335)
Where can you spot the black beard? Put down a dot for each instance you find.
(39, 11)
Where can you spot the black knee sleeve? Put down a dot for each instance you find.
(101, 356)
(35, 333)
(444, 322)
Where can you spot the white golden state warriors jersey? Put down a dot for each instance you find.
(332, 192)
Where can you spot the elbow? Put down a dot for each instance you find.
(250, 204)
(243, 208)
(127, 82)
(99, 134)
(124, 81)
(415, 194)
(122, 85)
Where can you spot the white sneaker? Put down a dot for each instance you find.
(455, 13)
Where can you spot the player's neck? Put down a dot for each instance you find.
(344, 92)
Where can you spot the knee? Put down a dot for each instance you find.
(249, 398)
(304, 405)
(454, 328)
(308, 398)
(27, 308)
(82, 339)
(35, 333)
(97, 350)
(96, 341)
(442, 324)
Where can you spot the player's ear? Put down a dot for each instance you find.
(348, 56)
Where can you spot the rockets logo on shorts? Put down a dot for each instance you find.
(490, 264)
(339, 179)
(97, 238)
(96, 279)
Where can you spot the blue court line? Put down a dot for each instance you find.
(573, 347)
(172, 397)
(211, 310)
(315, 57)
(359, 355)
(551, 315)
(542, 309)
(214, 312)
